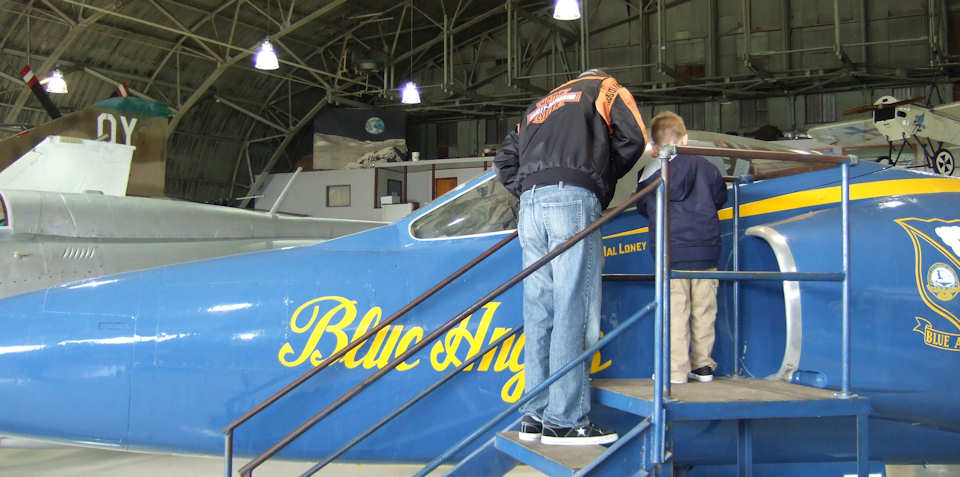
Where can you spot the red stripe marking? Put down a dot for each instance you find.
(28, 77)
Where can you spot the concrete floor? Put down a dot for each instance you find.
(71, 462)
(76, 461)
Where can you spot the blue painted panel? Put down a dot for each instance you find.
(892, 360)
(72, 386)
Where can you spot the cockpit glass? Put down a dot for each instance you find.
(486, 208)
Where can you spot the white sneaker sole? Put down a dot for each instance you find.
(529, 436)
(578, 441)
(702, 379)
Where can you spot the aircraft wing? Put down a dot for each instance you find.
(857, 132)
(951, 109)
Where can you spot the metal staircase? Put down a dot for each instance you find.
(646, 448)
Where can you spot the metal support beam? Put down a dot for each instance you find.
(253, 115)
(661, 42)
(864, 35)
(744, 448)
(51, 60)
(222, 66)
(280, 149)
(713, 39)
(584, 35)
(787, 32)
(172, 18)
(463, 26)
(747, 29)
(113, 82)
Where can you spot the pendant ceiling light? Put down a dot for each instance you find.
(566, 10)
(266, 58)
(409, 94)
(55, 83)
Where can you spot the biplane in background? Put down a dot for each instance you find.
(898, 123)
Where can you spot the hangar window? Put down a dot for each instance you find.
(338, 196)
(487, 208)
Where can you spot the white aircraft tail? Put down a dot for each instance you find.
(65, 164)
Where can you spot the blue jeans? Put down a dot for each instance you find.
(561, 300)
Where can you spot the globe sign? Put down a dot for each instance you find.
(374, 125)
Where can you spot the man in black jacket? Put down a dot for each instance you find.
(697, 191)
(563, 161)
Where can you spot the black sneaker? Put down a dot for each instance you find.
(703, 374)
(530, 429)
(577, 436)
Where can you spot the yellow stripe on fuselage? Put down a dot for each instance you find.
(831, 195)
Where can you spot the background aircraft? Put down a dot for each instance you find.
(163, 359)
(898, 123)
(132, 121)
(51, 232)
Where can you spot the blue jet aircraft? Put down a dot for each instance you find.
(163, 359)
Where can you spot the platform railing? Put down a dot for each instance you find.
(815, 162)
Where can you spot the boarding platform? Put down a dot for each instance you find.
(728, 398)
(740, 399)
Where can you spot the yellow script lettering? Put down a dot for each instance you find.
(323, 325)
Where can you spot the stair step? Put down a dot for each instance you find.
(728, 398)
(551, 460)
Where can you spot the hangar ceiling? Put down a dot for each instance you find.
(473, 58)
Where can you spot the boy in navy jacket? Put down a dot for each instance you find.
(697, 191)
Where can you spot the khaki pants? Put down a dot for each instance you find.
(693, 310)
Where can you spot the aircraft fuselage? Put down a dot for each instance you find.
(163, 359)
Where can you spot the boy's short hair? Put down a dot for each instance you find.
(667, 128)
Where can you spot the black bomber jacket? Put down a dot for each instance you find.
(586, 132)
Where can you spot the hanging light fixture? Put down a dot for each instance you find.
(566, 10)
(266, 58)
(55, 83)
(409, 94)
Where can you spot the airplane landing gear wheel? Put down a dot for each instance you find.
(943, 162)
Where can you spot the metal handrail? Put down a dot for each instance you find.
(528, 395)
(228, 430)
(844, 276)
(403, 407)
(757, 154)
(427, 340)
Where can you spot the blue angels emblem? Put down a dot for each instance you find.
(936, 247)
